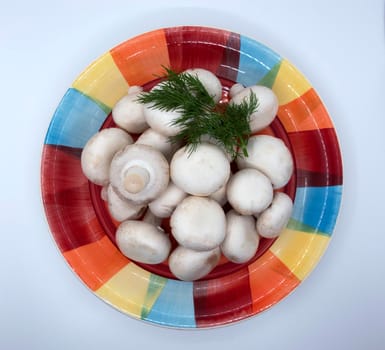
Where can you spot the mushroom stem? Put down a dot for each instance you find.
(139, 173)
(136, 179)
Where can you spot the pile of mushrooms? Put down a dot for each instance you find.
(152, 179)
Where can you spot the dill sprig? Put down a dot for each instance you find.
(200, 116)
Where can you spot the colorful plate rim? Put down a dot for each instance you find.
(96, 260)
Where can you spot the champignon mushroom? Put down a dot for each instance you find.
(139, 173)
(164, 205)
(159, 141)
(220, 195)
(190, 265)
(142, 242)
(121, 209)
(103, 193)
(267, 105)
(201, 172)
(150, 218)
(273, 220)
(98, 152)
(198, 223)
(209, 80)
(128, 112)
(235, 89)
(249, 191)
(209, 139)
(241, 242)
(161, 120)
(269, 155)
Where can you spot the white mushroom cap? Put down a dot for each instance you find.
(220, 195)
(249, 191)
(160, 120)
(201, 172)
(235, 89)
(269, 155)
(98, 152)
(198, 223)
(190, 265)
(139, 173)
(150, 218)
(159, 141)
(209, 80)
(142, 242)
(273, 220)
(241, 242)
(267, 105)
(164, 205)
(121, 209)
(209, 139)
(128, 113)
(103, 193)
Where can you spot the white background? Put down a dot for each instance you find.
(338, 46)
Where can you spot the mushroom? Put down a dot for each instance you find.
(241, 242)
(235, 89)
(139, 173)
(190, 265)
(249, 191)
(103, 193)
(164, 205)
(267, 105)
(209, 80)
(161, 120)
(201, 172)
(220, 195)
(159, 141)
(128, 112)
(198, 223)
(150, 218)
(269, 155)
(209, 139)
(273, 220)
(121, 209)
(142, 242)
(98, 152)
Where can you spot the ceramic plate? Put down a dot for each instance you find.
(84, 231)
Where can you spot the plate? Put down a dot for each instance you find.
(84, 232)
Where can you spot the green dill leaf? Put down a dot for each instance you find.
(199, 114)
